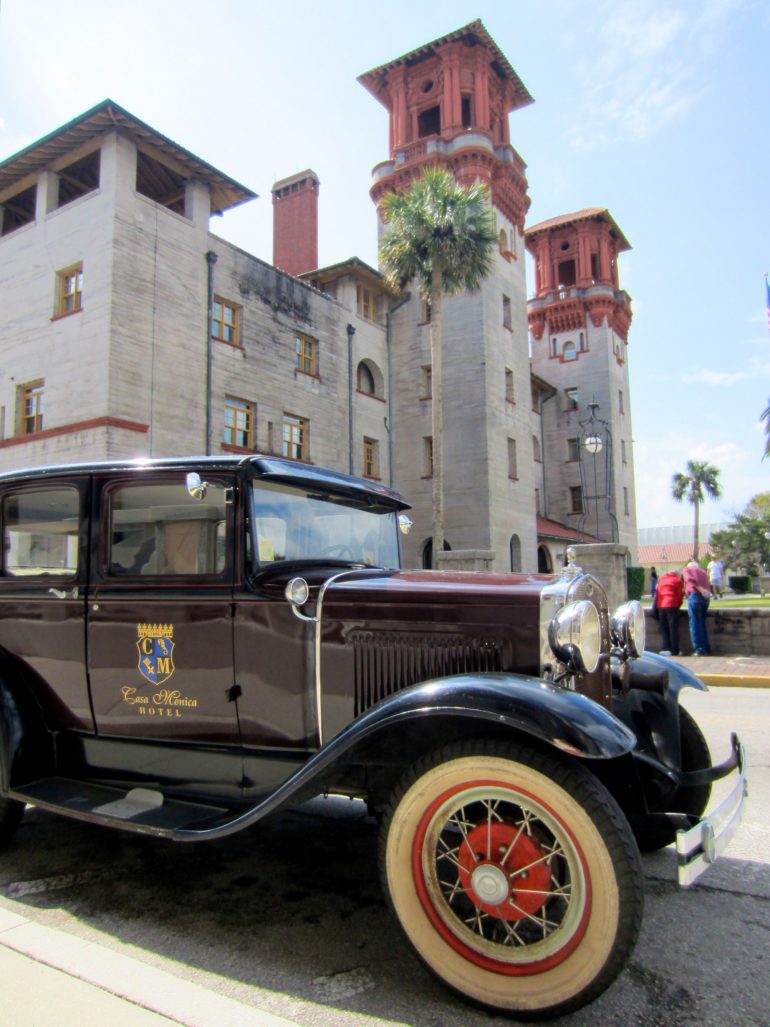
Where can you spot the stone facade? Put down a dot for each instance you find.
(745, 632)
(131, 330)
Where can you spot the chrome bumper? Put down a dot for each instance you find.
(699, 846)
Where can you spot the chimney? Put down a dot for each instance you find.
(295, 223)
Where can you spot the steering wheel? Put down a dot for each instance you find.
(341, 550)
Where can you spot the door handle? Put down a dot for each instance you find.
(62, 593)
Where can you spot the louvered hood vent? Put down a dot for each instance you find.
(386, 662)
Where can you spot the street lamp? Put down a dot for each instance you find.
(595, 456)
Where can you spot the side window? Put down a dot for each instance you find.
(158, 529)
(40, 532)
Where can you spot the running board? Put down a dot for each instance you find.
(143, 810)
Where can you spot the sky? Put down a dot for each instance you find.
(655, 110)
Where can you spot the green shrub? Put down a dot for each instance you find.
(635, 582)
(740, 583)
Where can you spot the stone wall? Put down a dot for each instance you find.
(743, 632)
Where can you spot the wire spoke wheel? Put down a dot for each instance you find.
(514, 875)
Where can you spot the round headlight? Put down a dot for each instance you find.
(297, 591)
(575, 636)
(628, 628)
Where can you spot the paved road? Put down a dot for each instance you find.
(289, 917)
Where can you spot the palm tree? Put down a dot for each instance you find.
(441, 233)
(765, 416)
(700, 480)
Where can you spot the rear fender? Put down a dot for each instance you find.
(522, 705)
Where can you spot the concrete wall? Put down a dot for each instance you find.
(743, 632)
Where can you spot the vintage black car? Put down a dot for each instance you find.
(188, 645)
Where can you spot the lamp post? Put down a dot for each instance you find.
(595, 458)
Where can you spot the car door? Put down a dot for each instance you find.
(42, 593)
(159, 611)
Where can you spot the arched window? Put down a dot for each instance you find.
(544, 563)
(515, 553)
(502, 241)
(427, 552)
(569, 352)
(365, 379)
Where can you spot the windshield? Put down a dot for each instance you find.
(295, 524)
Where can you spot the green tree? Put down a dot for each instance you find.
(441, 233)
(744, 545)
(699, 481)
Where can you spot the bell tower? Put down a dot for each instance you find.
(579, 319)
(448, 103)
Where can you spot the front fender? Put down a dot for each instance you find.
(566, 720)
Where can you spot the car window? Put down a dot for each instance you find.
(40, 532)
(160, 530)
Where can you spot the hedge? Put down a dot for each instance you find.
(740, 583)
(635, 582)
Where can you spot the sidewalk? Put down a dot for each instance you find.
(51, 977)
(743, 671)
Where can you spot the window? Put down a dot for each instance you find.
(371, 458)
(510, 387)
(554, 348)
(225, 321)
(295, 437)
(625, 501)
(515, 547)
(569, 352)
(365, 379)
(466, 110)
(576, 499)
(18, 210)
(427, 456)
(506, 311)
(512, 463)
(31, 407)
(429, 122)
(623, 451)
(427, 381)
(538, 503)
(69, 290)
(571, 399)
(620, 401)
(306, 354)
(536, 449)
(239, 423)
(502, 241)
(40, 532)
(158, 529)
(573, 450)
(566, 273)
(366, 301)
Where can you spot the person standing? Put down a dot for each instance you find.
(716, 573)
(668, 599)
(653, 581)
(696, 586)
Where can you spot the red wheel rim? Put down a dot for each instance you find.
(496, 925)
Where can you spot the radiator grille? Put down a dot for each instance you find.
(386, 662)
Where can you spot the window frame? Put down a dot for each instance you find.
(65, 294)
(371, 463)
(244, 406)
(297, 437)
(306, 353)
(222, 323)
(34, 390)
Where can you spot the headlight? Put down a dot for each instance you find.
(628, 628)
(297, 591)
(575, 636)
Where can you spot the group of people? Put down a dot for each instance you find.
(698, 587)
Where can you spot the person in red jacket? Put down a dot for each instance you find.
(668, 599)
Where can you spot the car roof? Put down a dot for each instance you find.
(269, 468)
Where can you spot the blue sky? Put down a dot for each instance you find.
(656, 110)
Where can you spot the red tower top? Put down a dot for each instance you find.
(449, 102)
(295, 223)
(576, 273)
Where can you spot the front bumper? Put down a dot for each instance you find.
(700, 844)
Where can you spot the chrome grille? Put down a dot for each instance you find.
(385, 662)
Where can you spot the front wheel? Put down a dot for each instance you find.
(514, 875)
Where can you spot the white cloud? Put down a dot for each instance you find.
(651, 67)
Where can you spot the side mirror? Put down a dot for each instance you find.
(196, 486)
